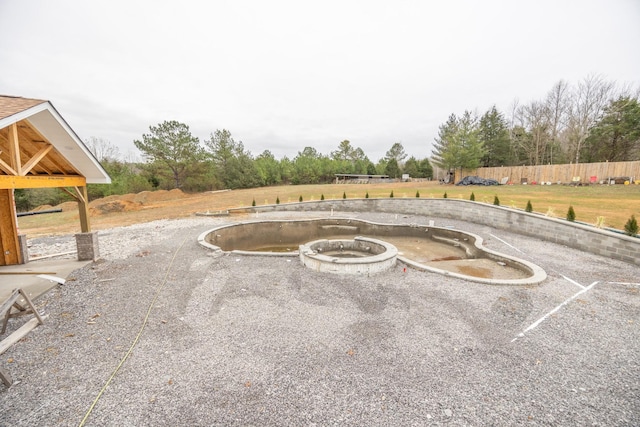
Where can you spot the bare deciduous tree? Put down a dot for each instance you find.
(557, 107)
(587, 104)
(102, 149)
(534, 118)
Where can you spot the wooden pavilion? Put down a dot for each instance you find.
(38, 149)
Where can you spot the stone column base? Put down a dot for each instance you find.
(87, 244)
(24, 251)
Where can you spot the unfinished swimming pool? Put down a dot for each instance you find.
(440, 250)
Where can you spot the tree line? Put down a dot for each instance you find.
(177, 159)
(174, 158)
(592, 121)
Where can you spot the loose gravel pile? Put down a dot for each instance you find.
(233, 340)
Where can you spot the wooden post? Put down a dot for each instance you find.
(9, 244)
(83, 209)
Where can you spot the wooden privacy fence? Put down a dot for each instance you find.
(567, 173)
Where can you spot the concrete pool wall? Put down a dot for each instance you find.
(586, 238)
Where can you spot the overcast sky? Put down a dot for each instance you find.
(282, 75)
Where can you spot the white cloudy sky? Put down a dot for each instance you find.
(282, 75)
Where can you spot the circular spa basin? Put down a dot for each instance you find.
(360, 255)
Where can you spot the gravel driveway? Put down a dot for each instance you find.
(234, 340)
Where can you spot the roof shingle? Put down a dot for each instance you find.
(10, 105)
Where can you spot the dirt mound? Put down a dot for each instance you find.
(68, 206)
(121, 202)
(157, 196)
(142, 198)
(113, 206)
(42, 208)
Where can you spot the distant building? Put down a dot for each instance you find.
(354, 178)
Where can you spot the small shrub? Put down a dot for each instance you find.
(277, 200)
(472, 197)
(300, 198)
(344, 194)
(418, 194)
(496, 201)
(366, 196)
(445, 195)
(391, 195)
(322, 196)
(253, 203)
(571, 214)
(631, 227)
(529, 207)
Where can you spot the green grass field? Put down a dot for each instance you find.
(614, 203)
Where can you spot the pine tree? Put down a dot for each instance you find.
(277, 200)
(496, 201)
(616, 135)
(392, 169)
(472, 197)
(300, 199)
(571, 214)
(322, 196)
(529, 208)
(445, 195)
(631, 227)
(417, 193)
(458, 144)
(253, 203)
(344, 195)
(494, 135)
(366, 196)
(391, 195)
(445, 149)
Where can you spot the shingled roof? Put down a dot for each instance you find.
(10, 105)
(46, 143)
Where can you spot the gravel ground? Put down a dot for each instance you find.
(234, 340)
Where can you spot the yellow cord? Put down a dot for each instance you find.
(135, 341)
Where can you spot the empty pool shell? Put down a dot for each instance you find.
(283, 238)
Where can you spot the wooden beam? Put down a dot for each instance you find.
(5, 377)
(35, 130)
(8, 303)
(8, 169)
(14, 149)
(35, 159)
(69, 192)
(83, 208)
(42, 181)
(27, 273)
(18, 334)
(46, 170)
(67, 166)
(12, 303)
(82, 194)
